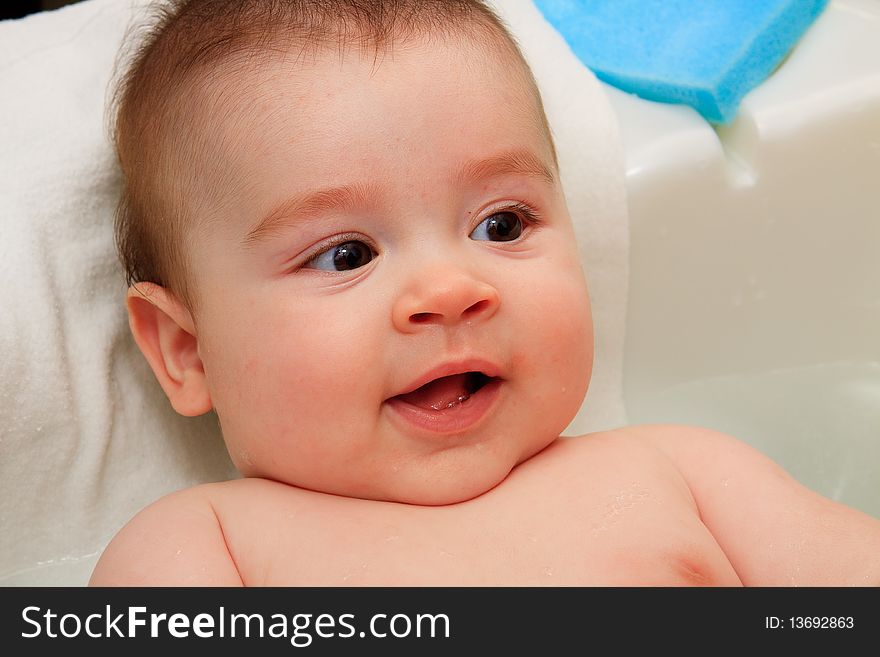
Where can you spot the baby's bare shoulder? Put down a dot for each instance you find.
(220, 534)
(177, 540)
(631, 449)
(775, 531)
(687, 449)
(605, 467)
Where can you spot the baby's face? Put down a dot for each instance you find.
(391, 300)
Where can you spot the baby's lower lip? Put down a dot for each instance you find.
(453, 420)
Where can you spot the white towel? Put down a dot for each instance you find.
(86, 436)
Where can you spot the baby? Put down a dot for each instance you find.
(345, 233)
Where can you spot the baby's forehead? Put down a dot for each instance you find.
(249, 89)
(259, 71)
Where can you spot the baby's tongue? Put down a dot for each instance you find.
(439, 393)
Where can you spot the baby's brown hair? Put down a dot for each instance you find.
(153, 118)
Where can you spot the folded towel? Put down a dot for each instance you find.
(87, 436)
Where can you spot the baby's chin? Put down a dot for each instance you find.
(415, 491)
(449, 492)
(425, 486)
(453, 481)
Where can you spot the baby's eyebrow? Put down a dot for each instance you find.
(310, 204)
(515, 162)
(315, 203)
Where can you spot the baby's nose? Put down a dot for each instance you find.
(444, 296)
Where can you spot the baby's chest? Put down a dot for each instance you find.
(629, 535)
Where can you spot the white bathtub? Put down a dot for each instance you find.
(754, 302)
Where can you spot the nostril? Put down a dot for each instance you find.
(477, 308)
(474, 309)
(421, 318)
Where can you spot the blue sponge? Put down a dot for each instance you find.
(704, 53)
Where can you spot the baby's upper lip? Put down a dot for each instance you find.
(450, 368)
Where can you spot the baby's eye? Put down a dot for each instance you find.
(499, 227)
(342, 257)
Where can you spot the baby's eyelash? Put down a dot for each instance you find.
(526, 212)
(529, 215)
(330, 242)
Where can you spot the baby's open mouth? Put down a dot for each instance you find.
(447, 391)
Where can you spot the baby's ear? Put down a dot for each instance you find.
(165, 332)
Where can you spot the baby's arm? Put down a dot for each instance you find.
(775, 531)
(176, 541)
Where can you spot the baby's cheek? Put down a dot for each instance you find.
(563, 338)
(315, 362)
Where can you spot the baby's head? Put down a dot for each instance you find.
(345, 231)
